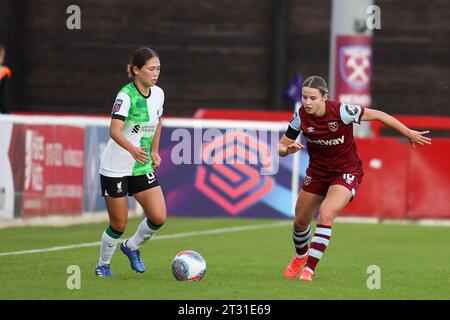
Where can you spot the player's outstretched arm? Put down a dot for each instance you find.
(287, 146)
(414, 137)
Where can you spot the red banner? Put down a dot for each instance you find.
(353, 69)
(384, 189)
(429, 181)
(400, 182)
(53, 169)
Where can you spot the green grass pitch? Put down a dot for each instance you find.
(246, 262)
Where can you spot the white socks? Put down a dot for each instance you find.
(110, 238)
(144, 232)
(107, 246)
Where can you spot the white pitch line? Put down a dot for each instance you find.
(162, 237)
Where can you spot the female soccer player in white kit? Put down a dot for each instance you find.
(130, 157)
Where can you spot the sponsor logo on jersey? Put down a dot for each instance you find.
(136, 128)
(329, 142)
(310, 129)
(148, 128)
(293, 116)
(143, 128)
(351, 110)
(117, 105)
(333, 126)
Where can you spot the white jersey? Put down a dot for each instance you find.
(141, 116)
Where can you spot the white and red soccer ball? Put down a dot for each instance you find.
(188, 265)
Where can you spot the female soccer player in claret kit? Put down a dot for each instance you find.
(335, 169)
(129, 159)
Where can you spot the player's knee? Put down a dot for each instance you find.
(300, 225)
(326, 217)
(158, 221)
(118, 226)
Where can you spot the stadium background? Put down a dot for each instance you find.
(239, 59)
(216, 54)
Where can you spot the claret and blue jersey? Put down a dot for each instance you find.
(330, 141)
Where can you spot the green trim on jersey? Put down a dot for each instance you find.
(138, 117)
(140, 169)
(138, 104)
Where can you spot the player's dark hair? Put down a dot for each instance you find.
(139, 58)
(2, 48)
(316, 82)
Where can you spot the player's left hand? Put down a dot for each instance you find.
(417, 137)
(294, 147)
(156, 160)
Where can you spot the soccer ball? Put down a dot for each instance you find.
(188, 265)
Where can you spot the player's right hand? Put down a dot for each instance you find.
(416, 137)
(294, 147)
(140, 155)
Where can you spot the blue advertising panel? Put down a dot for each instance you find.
(96, 138)
(226, 173)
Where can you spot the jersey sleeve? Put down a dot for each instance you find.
(121, 106)
(293, 130)
(351, 113)
(161, 109)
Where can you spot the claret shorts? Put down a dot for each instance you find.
(319, 183)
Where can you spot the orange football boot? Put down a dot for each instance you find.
(295, 266)
(306, 275)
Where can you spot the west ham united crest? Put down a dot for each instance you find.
(307, 180)
(355, 66)
(333, 126)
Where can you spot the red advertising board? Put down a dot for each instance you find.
(384, 190)
(52, 170)
(400, 182)
(429, 181)
(353, 69)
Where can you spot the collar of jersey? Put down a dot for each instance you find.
(149, 91)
